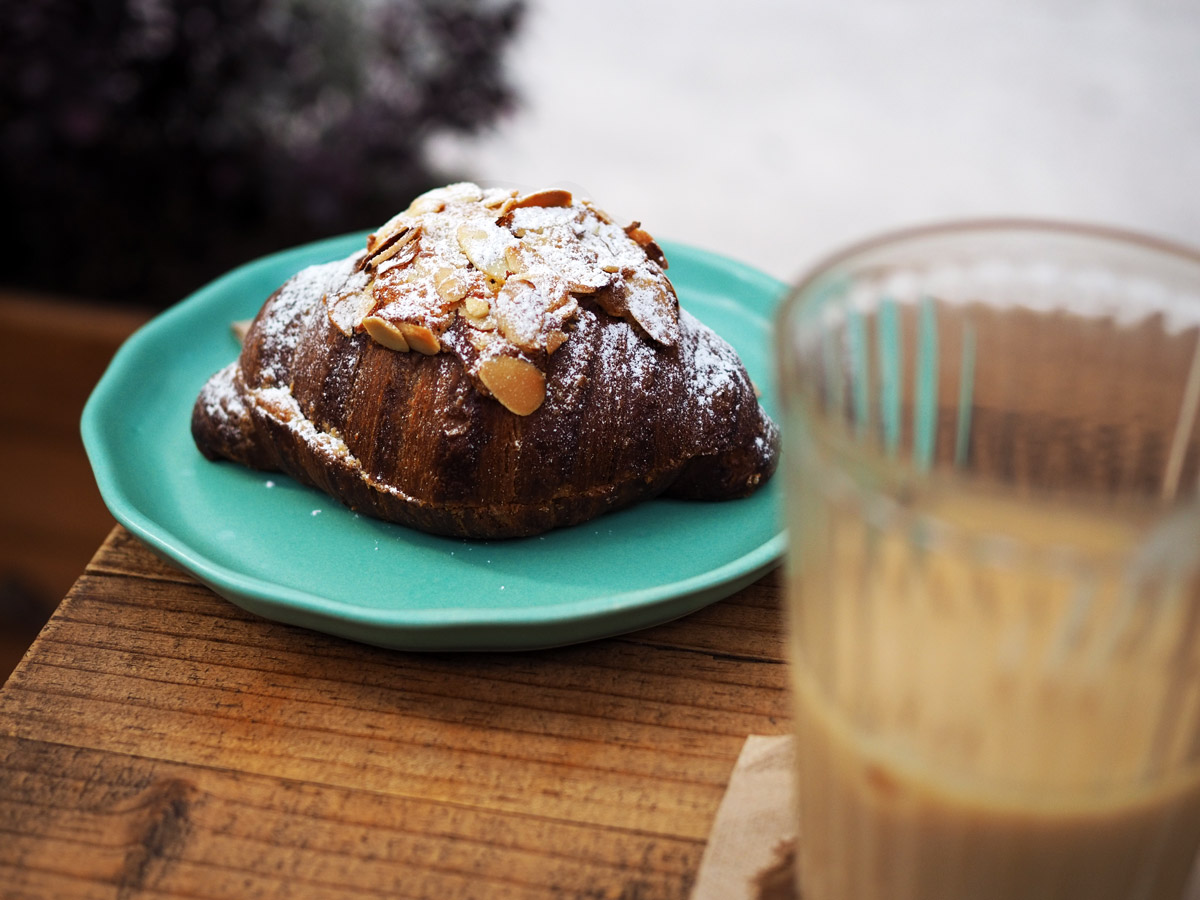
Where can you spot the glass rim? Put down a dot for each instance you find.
(1185, 507)
(899, 236)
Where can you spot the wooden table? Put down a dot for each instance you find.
(158, 741)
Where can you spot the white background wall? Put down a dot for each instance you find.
(775, 132)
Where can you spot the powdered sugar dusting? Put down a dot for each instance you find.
(221, 401)
(509, 272)
(291, 307)
(281, 405)
(715, 369)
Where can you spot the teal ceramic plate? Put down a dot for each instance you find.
(289, 553)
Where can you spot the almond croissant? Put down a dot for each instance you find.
(491, 365)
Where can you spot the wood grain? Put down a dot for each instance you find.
(160, 742)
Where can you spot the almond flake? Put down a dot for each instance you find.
(383, 332)
(518, 384)
(550, 197)
(484, 244)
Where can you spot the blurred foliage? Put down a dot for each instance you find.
(147, 145)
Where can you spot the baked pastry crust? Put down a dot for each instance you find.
(625, 410)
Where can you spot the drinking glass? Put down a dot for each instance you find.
(992, 467)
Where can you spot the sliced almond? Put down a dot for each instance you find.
(642, 238)
(386, 333)
(496, 197)
(347, 309)
(395, 262)
(518, 384)
(586, 278)
(558, 322)
(652, 303)
(655, 254)
(477, 307)
(426, 203)
(478, 324)
(499, 200)
(638, 234)
(561, 315)
(532, 221)
(549, 197)
(599, 213)
(521, 257)
(451, 284)
(520, 312)
(485, 245)
(391, 245)
(439, 198)
(505, 208)
(420, 338)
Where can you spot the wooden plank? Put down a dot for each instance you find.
(159, 741)
(123, 554)
(77, 818)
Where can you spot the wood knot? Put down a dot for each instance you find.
(159, 827)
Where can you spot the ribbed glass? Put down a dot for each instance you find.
(993, 468)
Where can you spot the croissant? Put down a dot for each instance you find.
(490, 365)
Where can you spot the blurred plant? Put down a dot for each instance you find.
(146, 145)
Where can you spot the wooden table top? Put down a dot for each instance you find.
(158, 741)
